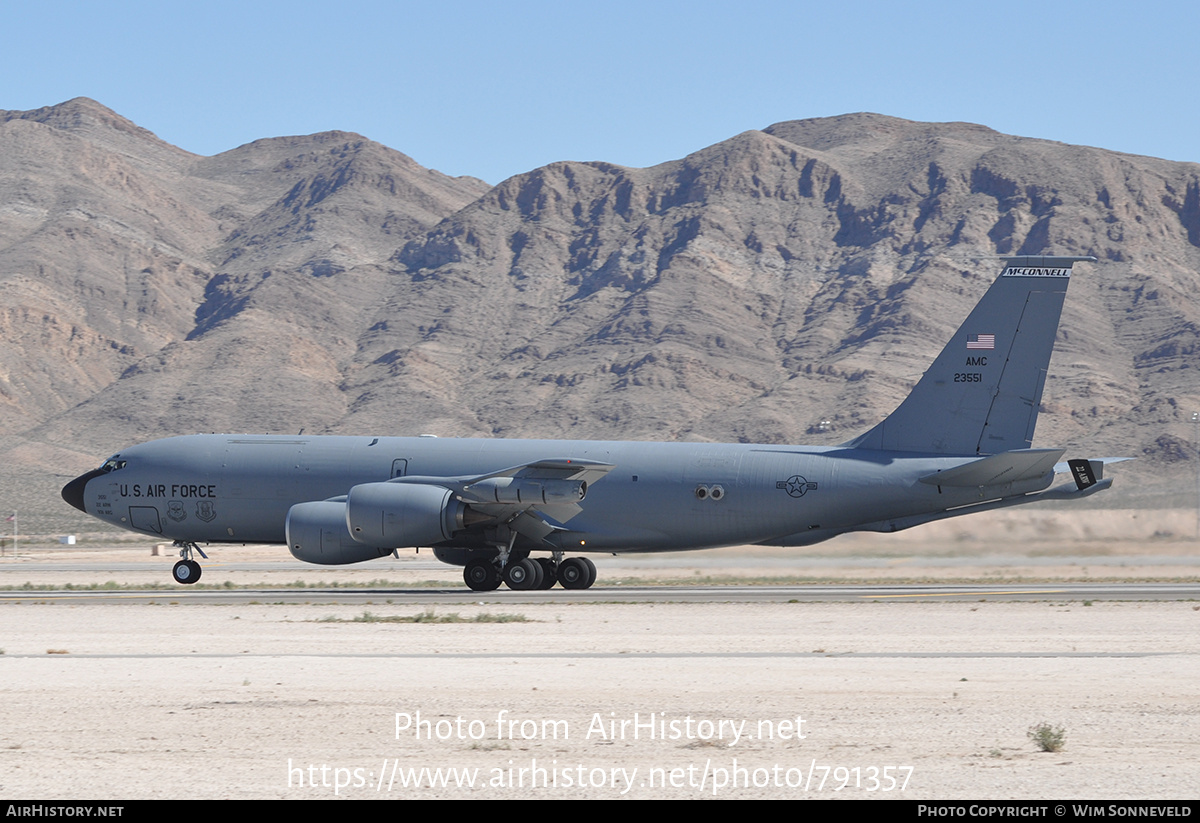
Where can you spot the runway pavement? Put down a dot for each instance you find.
(628, 594)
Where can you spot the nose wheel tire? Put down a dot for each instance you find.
(186, 572)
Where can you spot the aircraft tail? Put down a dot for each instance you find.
(981, 394)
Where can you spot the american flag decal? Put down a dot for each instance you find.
(981, 341)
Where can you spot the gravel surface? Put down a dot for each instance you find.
(281, 701)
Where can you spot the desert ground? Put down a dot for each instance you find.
(913, 699)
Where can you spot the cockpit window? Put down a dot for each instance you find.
(112, 464)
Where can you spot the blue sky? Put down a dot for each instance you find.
(494, 89)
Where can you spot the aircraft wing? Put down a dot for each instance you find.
(559, 469)
(534, 499)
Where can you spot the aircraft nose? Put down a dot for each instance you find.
(73, 491)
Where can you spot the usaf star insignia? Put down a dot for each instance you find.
(796, 485)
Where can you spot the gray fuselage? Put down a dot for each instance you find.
(659, 496)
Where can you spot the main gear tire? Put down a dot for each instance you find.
(576, 573)
(481, 575)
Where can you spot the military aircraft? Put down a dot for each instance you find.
(959, 443)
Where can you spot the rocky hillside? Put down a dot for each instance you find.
(785, 285)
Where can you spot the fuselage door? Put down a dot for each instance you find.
(400, 467)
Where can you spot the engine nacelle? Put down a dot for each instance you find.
(524, 490)
(316, 533)
(402, 515)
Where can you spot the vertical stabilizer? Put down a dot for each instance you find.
(981, 394)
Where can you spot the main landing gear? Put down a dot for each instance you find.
(187, 570)
(483, 575)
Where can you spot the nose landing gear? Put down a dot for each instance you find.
(187, 570)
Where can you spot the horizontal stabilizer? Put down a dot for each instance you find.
(1006, 467)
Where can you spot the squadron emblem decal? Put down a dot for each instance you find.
(796, 485)
(205, 510)
(175, 511)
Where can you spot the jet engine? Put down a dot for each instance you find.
(316, 533)
(401, 515)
